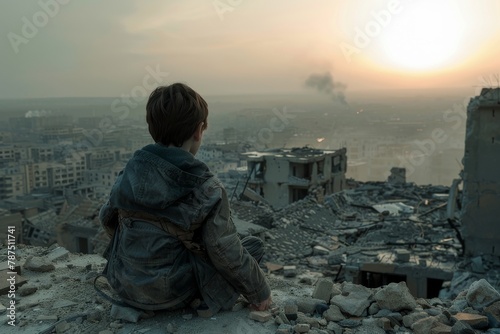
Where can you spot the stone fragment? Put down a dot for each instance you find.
(462, 328)
(47, 318)
(301, 328)
(493, 314)
(476, 321)
(26, 290)
(125, 313)
(402, 255)
(62, 327)
(313, 322)
(261, 316)
(116, 325)
(273, 266)
(350, 323)
(40, 264)
(334, 327)
(373, 309)
(238, 306)
(284, 329)
(290, 311)
(320, 250)
(395, 297)
(333, 314)
(409, 319)
(289, 271)
(481, 293)
(308, 304)
(60, 253)
(354, 299)
(187, 316)
(441, 329)
(458, 306)
(425, 325)
(384, 323)
(323, 290)
(284, 318)
(367, 330)
(423, 302)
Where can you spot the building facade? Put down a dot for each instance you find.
(283, 176)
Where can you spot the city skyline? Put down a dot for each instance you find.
(56, 48)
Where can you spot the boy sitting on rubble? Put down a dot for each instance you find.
(173, 239)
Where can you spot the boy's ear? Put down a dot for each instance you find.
(199, 131)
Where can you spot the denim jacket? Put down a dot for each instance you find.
(149, 265)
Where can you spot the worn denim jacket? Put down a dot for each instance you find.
(148, 266)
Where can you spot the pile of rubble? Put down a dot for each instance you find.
(349, 308)
(55, 295)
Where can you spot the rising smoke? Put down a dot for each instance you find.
(325, 84)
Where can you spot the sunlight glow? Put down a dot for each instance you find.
(425, 35)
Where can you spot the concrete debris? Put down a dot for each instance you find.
(395, 297)
(481, 293)
(36, 263)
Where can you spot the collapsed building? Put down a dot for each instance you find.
(283, 176)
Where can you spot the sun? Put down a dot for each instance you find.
(424, 35)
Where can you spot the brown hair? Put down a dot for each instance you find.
(174, 112)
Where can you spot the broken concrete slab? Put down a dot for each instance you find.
(39, 264)
(395, 297)
(481, 293)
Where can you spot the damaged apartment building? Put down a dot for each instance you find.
(283, 176)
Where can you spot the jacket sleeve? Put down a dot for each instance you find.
(230, 258)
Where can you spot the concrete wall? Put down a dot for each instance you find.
(481, 192)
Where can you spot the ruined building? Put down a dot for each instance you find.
(481, 188)
(283, 176)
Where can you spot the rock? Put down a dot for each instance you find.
(320, 250)
(284, 319)
(261, 316)
(59, 253)
(26, 290)
(62, 327)
(462, 328)
(333, 314)
(423, 302)
(354, 299)
(411, 318)
(373, 309)
(47, 318)
(481, 293)
(334, 327)
(369, 330)
(395, 297)
(425, 325)
(284, 329)
(323, 290)
(493, 314)
(125, 313)
(441, 329)
(350, 323)
(458, 306)
(289, 271)
(187, 316)
(290, 311)
(301, 328)
(308, 305)
(433, 311)
(476, 321)
(39, 264)
(313, 322)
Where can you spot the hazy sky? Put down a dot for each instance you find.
(108, 48)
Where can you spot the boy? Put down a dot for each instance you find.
(169, 217)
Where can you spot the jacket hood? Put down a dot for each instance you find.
(166, 182)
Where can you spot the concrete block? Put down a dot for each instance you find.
(261, 316)
(323, 290)
(289, 271)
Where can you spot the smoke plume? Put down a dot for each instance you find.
(325, 84)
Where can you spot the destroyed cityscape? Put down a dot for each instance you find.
(358, 140)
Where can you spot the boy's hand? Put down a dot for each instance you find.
(262, 306)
